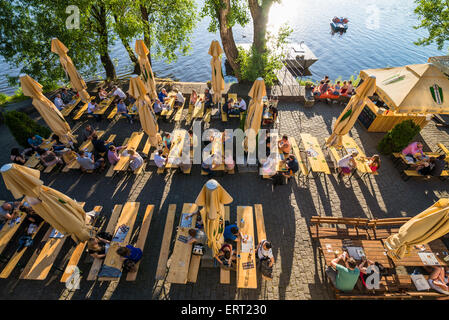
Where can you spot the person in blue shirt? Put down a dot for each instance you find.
(162, 95)
(232, 234)
(130, 253)
(123, 110)
(35, 142)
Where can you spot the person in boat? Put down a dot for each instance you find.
(317, 92)
(344, 88)
(325, 87)
(350, 88)
(337, 88)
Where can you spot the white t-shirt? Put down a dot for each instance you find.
(159, 161)
(242, 105)
(58, 103)
(179, 97)
(91, 107)
(262, 253)
(120, 93)
(344, 162)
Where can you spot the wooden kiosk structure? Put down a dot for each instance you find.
(410, 92)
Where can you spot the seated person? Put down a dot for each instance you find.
(118, 94)
(59, 104)
(87, 133)
(346, 164)
(8, 211)
(66, 95)
(207, 99)
(284, 145)
(208, 165)
(113, 155)
(232, 234)
(17, 157)
(264, 252)
(159, 159)
(58, 146)
(49, 158)
(130, 253)
(100, 146)
(439, 165)
(162, 95)
(179, 100)
(344, 88)
(229, 163)
(325, 87)
(363, 267)
(343, 272)
(193, 97)
(292, 166)
(135, 160)
(318, 90)
(241, 104)
(123, 110)
(227, 106)
(351, 89)
(157, 107)
(35, 142)
(197, 236)
(425, 167)
(87, 163)
(199, 222)
(97, 247)
(225, 256)
(414, 150)
(91, 108)
(233, 108)
(438, 278)
(166, 142)
(102, 94)
(374, 163)
(336, 89)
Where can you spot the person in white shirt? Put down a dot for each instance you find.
(157, 106)
(59, 104)
(179, 102)
(346, 164)
(118, 94)
(264, 252)
(160, 160)
(242, 104)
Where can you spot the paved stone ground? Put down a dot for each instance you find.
(297, 273)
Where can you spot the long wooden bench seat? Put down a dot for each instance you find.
(260, 228)
(335, 157)
(383, 228)
(178, 114)
(142, 238)
(81, 111)
(355, 227)
(76, 254)
(443, 148)
(303, 170)
(165, 246)
(407, 174)
(96, 264)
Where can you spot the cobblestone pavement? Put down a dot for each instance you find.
(287, 209)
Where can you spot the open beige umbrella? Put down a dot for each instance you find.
(349, 116)
(147, 117)
(217, 74)
(51, 115)
(145, 68)
(213, 198)
(255, 108)
(61, 212)
(426, 227)
(75, 78)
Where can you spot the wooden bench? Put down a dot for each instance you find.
(189, 115)
(147, 147)
(81, 111)
(8, 231)
(142, 238)
(225, 274)
(41, 262)
(181, 254)
(110, 171)
(302, 164)
(128, 218)
(442, 147)
(76, 254)
(165, 246)
(383, 228)
(407, 174)
(96, 265)
(69, 108)
(355, 228)
(246, 278)
(260, 227)
(178, 114)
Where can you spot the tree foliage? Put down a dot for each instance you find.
(399, 137)
(238, 13)
(434, 17)
(23, 127)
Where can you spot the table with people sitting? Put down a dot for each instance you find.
(362, 163)
(180, 138)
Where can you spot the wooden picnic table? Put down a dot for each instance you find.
(87, 145)
(374, 250)
(350, 145)
(246, 261)
(180, 137)
(9, 229)
(70, 106)
(318, 162)
(218, 151)
(180, 258)
(133, 143)
(103, 105)
(436, 247)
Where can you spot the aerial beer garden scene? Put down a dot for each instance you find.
(224, 150)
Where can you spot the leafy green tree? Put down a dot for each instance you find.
(434, 17)
(23, 127)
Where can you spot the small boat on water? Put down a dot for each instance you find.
(339, 24)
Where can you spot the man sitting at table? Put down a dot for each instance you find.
(292, 166)
(100, 146)
(118, 94)
(232, 234)
(241, 104)
(343, 272)
(91, 108)
(66, 96)
(135, 160)
(207, 99)
(197, 236)
(208, 165)
(87, 133)
(346, 164)
(157, 107)
(415, 151)
(87, 163)
(123, 110)
(233, 109)
(162, 95)
(35, 142)
(179, 101)
(159, 159)
(59, 104)
(8, 211)
(284, 145)
(438, 166)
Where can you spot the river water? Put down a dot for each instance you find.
(380, 34)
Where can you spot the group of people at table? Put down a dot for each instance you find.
(422, 163)
(338, 89)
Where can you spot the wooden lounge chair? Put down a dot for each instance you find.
(165, 246)
(142, 239)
